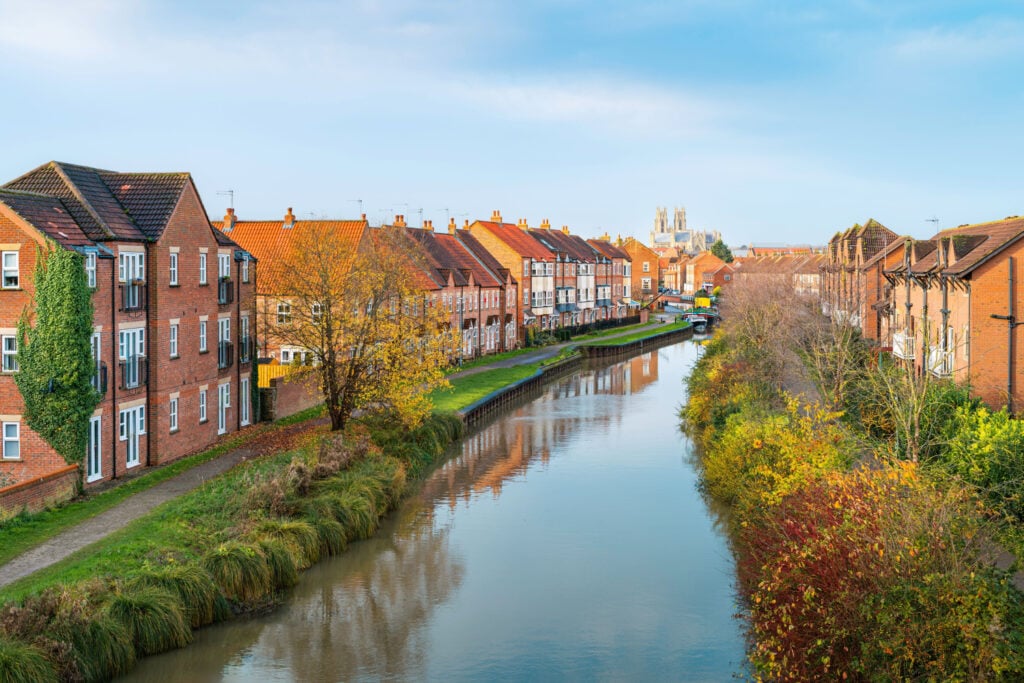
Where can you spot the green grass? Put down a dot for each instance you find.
(26, 531)
(609, 331)
(487, 360)
(467, 390)
(671, 327)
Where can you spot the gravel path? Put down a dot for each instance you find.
(102, 525)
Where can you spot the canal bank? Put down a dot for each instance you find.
(564, 538)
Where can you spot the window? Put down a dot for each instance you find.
(647, 267)
(172, 420)
(284, 313)
(93, 462)
(202, 269)
(10, 353)
(243, 396)
(244, 341)
(202, 405)
(645, 283)
(98, 382)
(11, 272)
(223, 266)
(526, 267)
(526, 297)
(173, 271)
(132, 351)
(12, 441)
(173, 341)
(315, 312)
(245, 268)
(90, 270)
(131, 266)
(202, 336)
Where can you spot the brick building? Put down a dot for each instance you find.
(619, 275)
(644, 262)
(174, 308)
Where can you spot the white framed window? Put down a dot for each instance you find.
(202, 336)
(284, 313)
(172, 416)
(11, 274)
(172, 268)
(645, 283)
(90, 270)
(10, 353)
(93, 454)
(131, 266)
(223, 266)
(224, 330)
(243, 396)
(94, 343)
(12, 440)
(172, 341)
(202, 406)
(202, 268)
(245, 268)
(647, 266)
(315, 312)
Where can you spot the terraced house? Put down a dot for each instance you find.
(575, 273)
(174, 308)
(616, 276)
(954, 304)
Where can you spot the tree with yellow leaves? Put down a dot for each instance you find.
(375, 339)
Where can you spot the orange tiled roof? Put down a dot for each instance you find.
(266, 239)
(518, 240)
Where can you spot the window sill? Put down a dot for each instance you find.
(204, 284)
(202, 422)
(174, 431)
(11, 460)
(174, 284)
(175, 357)
(11, 289)
(130, 466)
(94, 478)
(204, 351)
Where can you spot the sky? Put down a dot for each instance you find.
(772, 122)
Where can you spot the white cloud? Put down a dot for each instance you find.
(980, 41)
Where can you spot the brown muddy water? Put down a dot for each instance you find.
(566, 540)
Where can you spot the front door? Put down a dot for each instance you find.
(93, 464)
(132, 426)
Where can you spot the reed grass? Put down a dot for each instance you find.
(22, 663)
(331, 534)
(283, 571)
(193, 586)
(240, 570)
(153, 617)
(298, 534)
(101, 645)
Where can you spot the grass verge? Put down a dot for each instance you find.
(671, 327)
(227, 547)
(25, 531)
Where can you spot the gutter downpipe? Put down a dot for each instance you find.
(114, 349)
(1011, 323)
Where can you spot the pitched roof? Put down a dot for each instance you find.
(518, 240)
(481, 253)
(573, 246)
(608, 249)
(974, 251)
(106, 204)
(47, 214)
(266, 239)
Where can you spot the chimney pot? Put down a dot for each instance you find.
(565, 229)
(229, 220)
(496, 216)
(428, 226)
(289, 218)
(451, 226)
(466, 225)
(364, 217)
(545, 224)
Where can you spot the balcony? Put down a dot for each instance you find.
(133, 296)
(134, 372)
(245, 349)
(225, 291)
(940, 363)
(225, 354)
(99, 380)
(903, 345)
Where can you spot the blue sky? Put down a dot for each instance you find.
(769, 121)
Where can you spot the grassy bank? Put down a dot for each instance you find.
(227, 547)
(27, 530)
(644, 334)
(852, 564)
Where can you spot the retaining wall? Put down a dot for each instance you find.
(40, 492)
(288, 395)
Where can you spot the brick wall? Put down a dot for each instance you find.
(39, 492)
(287, 396)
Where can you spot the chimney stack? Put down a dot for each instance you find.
(364, 218)
(289, 218)
(428, 226)
(522, 224)
(451, 226)
(496, 216)
(229, 220)
(545, 224)
(565, 229)
(399, 220)
(466, 226)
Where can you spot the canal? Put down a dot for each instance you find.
(564, 540)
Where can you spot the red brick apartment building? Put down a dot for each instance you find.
(174, 313)
(619, 275)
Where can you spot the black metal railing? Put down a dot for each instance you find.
(225, 291)
(133, 296)
(225, 354)
(99, 380)
(134, 372)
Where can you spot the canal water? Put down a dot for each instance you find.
(566, 540)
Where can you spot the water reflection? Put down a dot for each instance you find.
(565, 539)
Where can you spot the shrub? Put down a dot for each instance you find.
(240, 570)
(331, 535)
(153, 617)
(300, 536)
(191, 583)
(100, 644)
(283, 571)
(21, 663)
